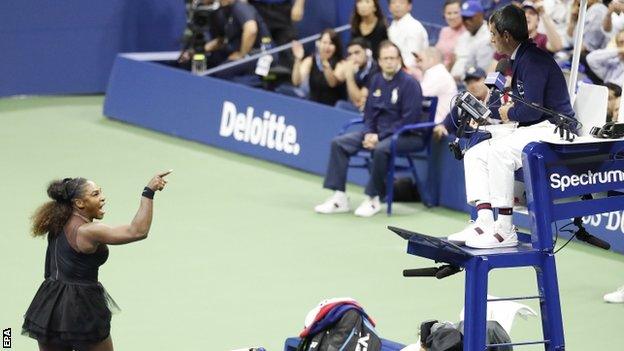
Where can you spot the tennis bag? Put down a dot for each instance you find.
(351, 333)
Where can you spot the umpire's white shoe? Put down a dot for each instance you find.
(616, 296)
(473, 230)
(337, 203)
(502, 236)
(369, 207)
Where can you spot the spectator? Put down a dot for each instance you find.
(395, 100)
(237, 31)
(536, 15)
(447, 40)
(608, 64)
(559, 12)
(280, 16)
(614, 20)
(406, 32)
(437, 81)
(356, 71)
(474, 80)
(473, 47)
(594, 37)
(534, 12)
(613, 106)
(368, 22)
(318, 68)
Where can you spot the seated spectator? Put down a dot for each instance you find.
(447, 40)
(608, 64)
(473, 46)
(613, 106)
(356, 71)
(406, 32)
(613, 22)
(318, 69)
(280, 17)
(395, 100)
(594, 37)
(437, 81)
(237, 31)
(559, 12)
(368, 22)
(536, 15)
(474, 80)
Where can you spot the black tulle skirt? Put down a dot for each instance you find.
(66, 312)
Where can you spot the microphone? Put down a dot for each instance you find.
(495, 81)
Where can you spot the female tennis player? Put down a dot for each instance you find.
(71, 310)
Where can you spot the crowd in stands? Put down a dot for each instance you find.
(327, 76)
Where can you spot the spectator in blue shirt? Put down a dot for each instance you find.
(490, 165)
(394, 100)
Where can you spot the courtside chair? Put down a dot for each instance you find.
(363, 158)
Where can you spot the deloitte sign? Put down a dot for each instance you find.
(269, 131)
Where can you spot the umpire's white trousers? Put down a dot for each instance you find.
(490, 165)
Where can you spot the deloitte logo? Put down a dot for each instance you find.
(557, 181)
(268, 131)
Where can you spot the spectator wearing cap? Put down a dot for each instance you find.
(406, 32)
(356, 70)
(608, 64)
(474, 47)
(447, 39)
(474, 80)
(436, 81)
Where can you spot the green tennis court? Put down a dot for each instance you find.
(236, 257)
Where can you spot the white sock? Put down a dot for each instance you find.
(505, 221)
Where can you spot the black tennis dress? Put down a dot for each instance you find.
(71, 306)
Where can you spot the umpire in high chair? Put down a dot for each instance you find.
(490, 165)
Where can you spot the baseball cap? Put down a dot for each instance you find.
(474, 72)
(471, 8)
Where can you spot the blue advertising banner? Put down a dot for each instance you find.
(265, 125)
(276, 128)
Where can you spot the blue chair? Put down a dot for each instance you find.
(363, 158)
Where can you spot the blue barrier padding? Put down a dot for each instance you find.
(273, 127)
(175, 102)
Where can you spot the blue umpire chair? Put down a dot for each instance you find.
(363, 159)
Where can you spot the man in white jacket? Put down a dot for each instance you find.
(406, 32)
